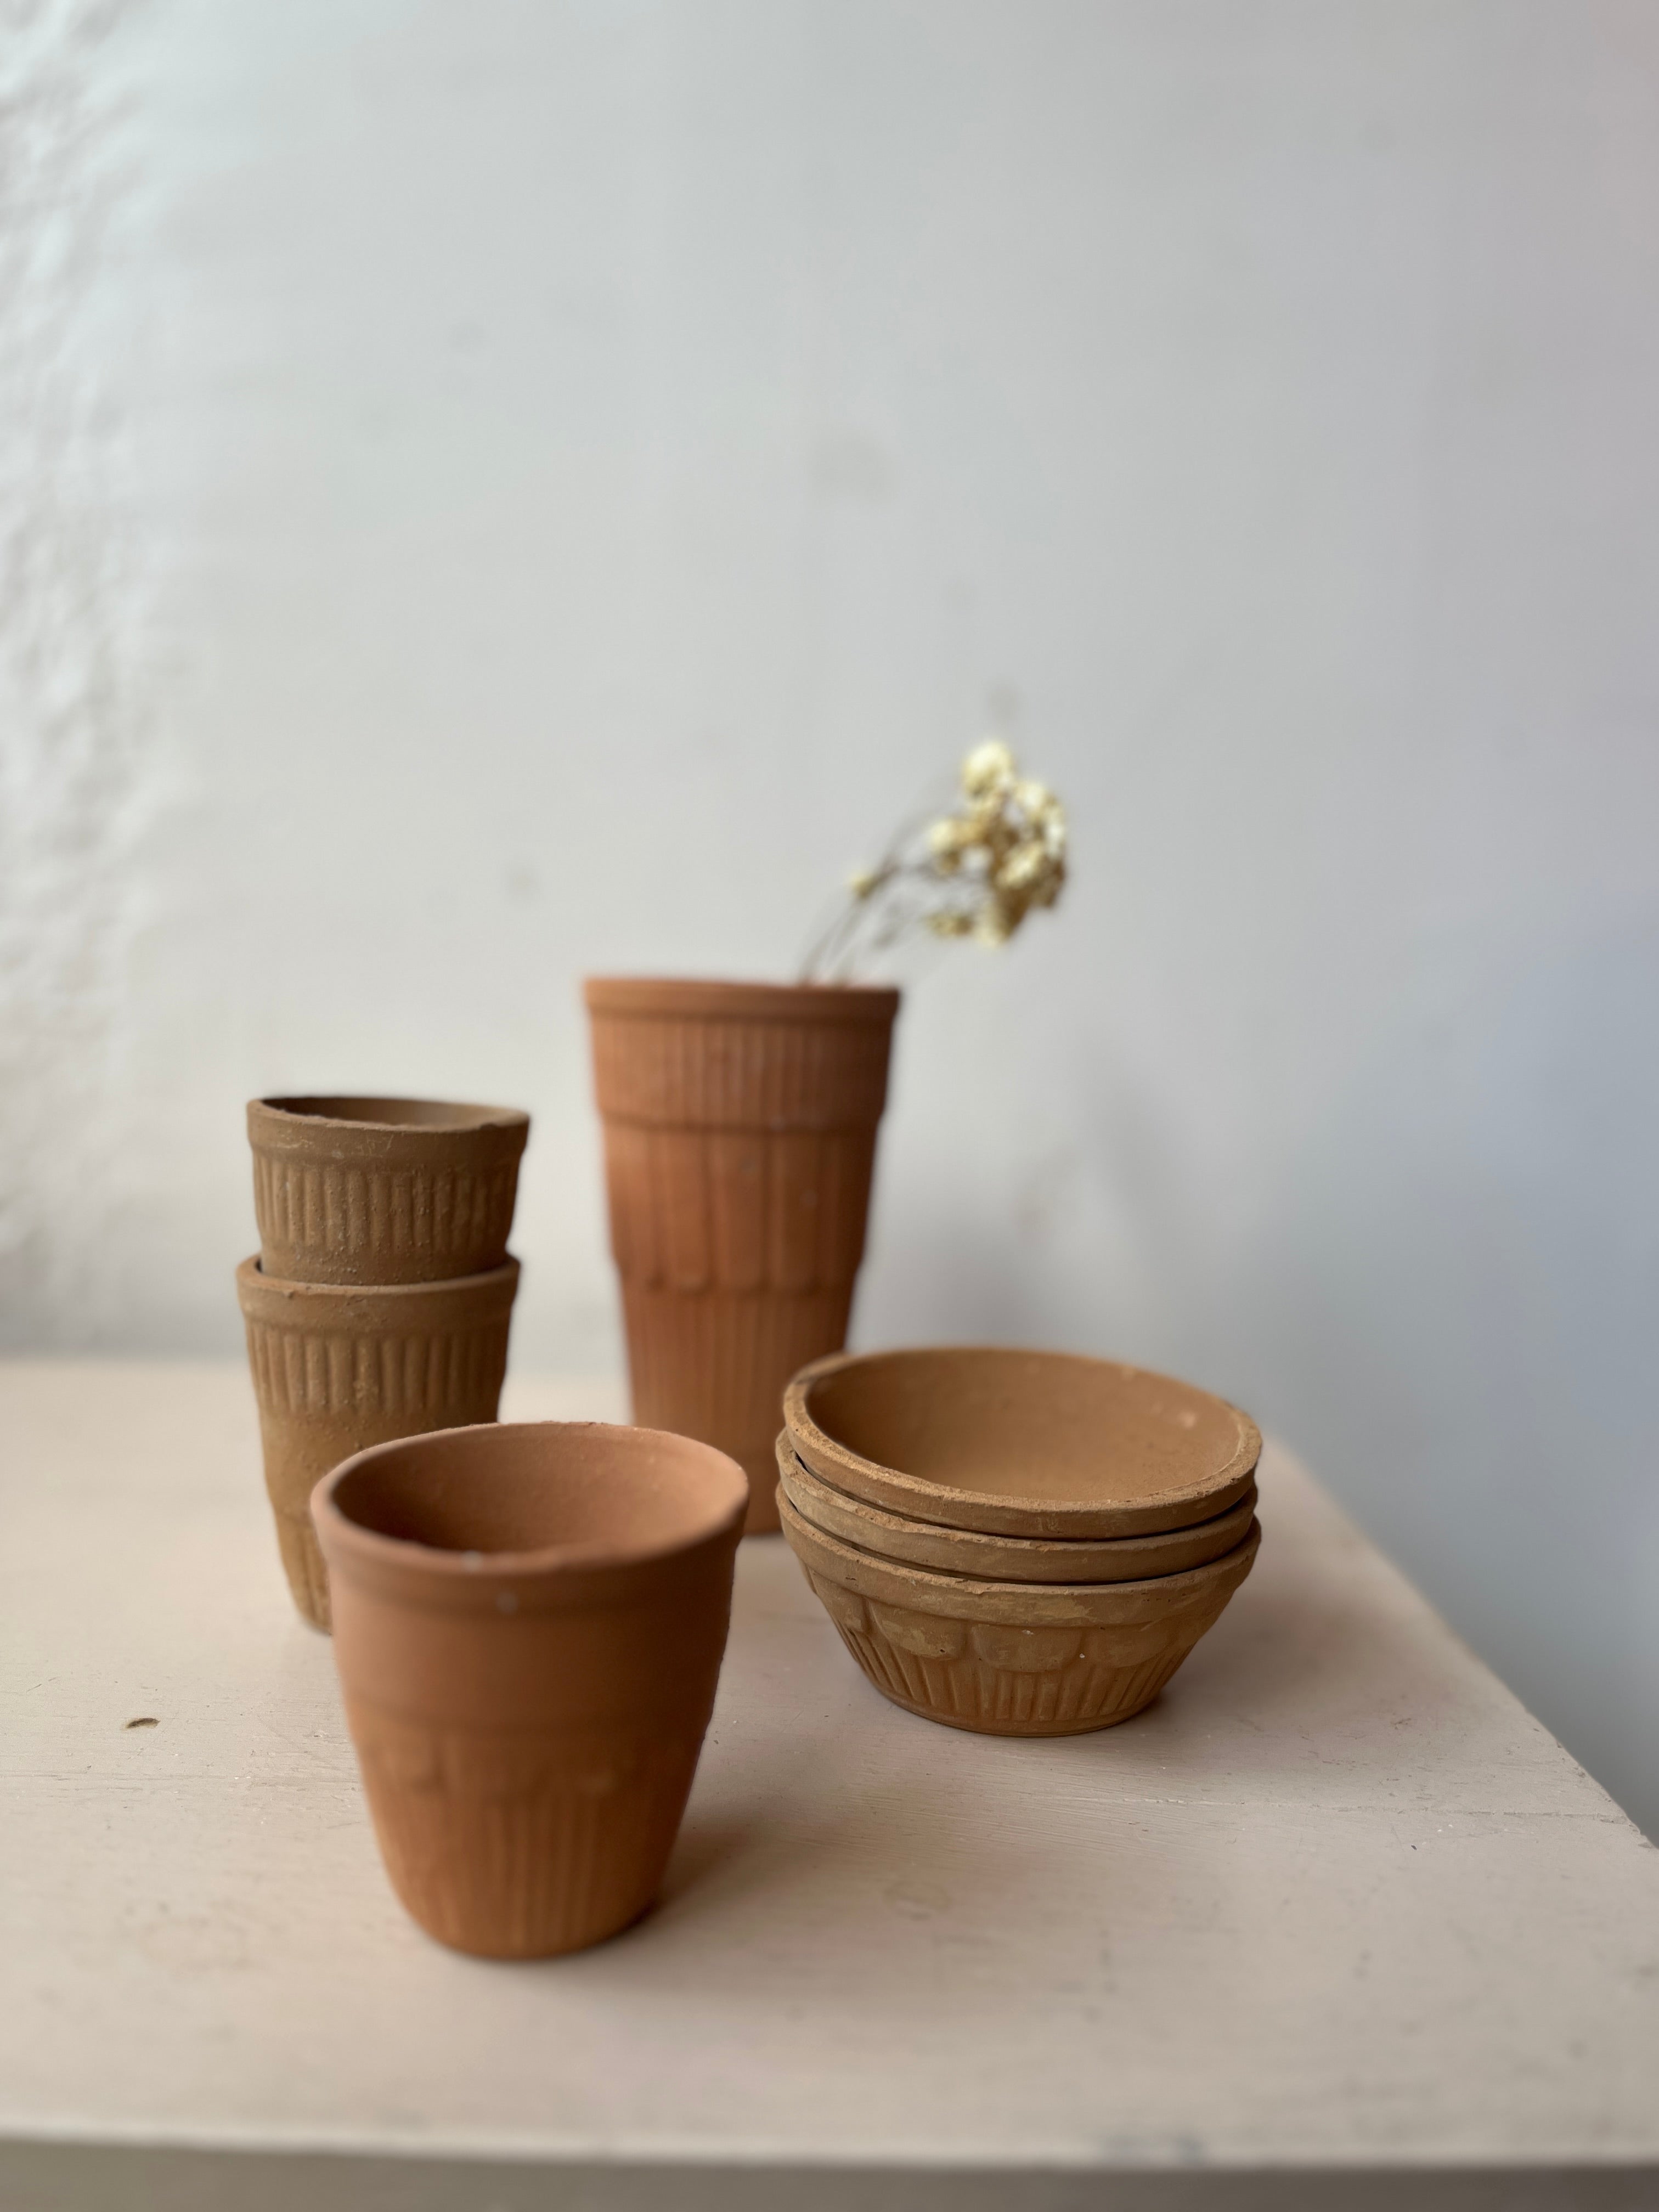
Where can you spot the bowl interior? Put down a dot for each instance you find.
(395, 1113)
(581, 1489)
(1049, 1426)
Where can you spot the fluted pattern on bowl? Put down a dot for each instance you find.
(739, 1138)
(517, 1844)
(1000, 1680)
(1008, 1658)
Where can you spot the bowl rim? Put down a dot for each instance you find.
(991, 1513)
(795, 1476)
(1019, 1604)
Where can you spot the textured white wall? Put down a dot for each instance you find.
(496, 490)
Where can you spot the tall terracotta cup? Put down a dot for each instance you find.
(740, 1127)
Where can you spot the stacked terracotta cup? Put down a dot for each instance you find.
(1021, 1543)
(379, 1302)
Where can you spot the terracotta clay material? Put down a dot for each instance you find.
(335, 1370)
(374, 1191)
(1007, 1559)
(528, 1623)
(1013, 1658)
(1021, 1444)
(740, 1127)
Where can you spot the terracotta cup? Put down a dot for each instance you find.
(740, 1127)
(528, 1624)
(1013, 1442)
(383, 1190)
(335, 1370)
(1014, 1658)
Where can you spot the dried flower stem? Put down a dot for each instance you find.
(977, 873)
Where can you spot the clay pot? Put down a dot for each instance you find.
(1007, 1559)
(336, 1369)
(1021, 1444)
(383, 1190)
(739, 1138)
(1010, 1658)
(528, 1625)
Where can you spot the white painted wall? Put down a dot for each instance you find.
(497, 491)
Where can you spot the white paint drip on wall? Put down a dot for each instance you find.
(563, 479)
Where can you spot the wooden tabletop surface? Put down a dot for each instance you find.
(1336, 1923)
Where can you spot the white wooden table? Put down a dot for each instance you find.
(1336, 1923)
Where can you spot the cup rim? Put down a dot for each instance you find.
(554, 1566)
(294, 1112)
(252, 1278)
(712, 999)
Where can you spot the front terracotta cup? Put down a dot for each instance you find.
(528, 1622)
(383, 1190)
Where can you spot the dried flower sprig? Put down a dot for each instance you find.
(977, 873)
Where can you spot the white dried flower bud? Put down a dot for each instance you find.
(990, 771)
(1022, 866)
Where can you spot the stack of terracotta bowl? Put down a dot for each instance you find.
(379, 1302)
(1023, 1543)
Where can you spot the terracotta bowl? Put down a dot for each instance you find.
(1013, 1658)
(528, 1623)
(374, 1191)
(1020, 1443)
(1007, 1559)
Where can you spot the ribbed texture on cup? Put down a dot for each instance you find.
(740, 1151)
(373, 1203)
(740, 1075)
(700, 1210)
(331, 1224)
(512, 1844)
(419, 1377)
(713, 1366)
(335, 1371)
